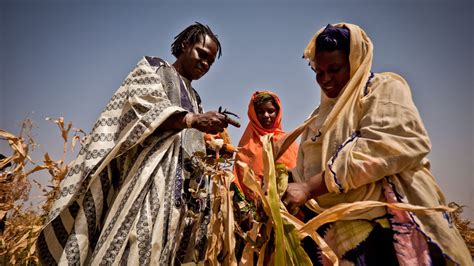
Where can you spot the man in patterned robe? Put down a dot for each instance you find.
(125, 199)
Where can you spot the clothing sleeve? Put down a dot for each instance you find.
(135, 111)
(391, 138)
(142, 105)
(297, 172)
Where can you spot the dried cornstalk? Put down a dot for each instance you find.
(287, 249)
(14, 185)
(21, 226)
(18, 240)
(284, 247)
(220, 248)
(464, 226)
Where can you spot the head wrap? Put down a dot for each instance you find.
(250, 146)
(263, 97)
(342, 121)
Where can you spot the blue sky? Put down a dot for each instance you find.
(67, 58)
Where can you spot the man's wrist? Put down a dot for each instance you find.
(188, 119)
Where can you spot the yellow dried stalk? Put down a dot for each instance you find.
(22, 226)
(344, 211)
(18, 240)
(13, 183)
(220, 249)
(339, 212)
(222, 240)
(464, 226)
(284, 248)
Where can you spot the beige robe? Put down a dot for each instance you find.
(370, 133)
(391, 142)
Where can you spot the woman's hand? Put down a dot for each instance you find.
(298, 194)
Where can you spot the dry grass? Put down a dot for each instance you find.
(464, 226)
(21, 225)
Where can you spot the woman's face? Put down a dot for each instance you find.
(266, 114)
(332, 71)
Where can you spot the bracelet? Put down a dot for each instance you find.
(188, 118)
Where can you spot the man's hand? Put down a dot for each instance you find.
(231, 121)
(210, 122)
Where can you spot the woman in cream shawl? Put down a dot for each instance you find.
(366, 141)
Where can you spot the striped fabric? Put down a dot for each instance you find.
(121, 201)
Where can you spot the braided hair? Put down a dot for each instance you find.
(332, 39)
(192, 34)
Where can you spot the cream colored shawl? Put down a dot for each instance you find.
(346, 108)
(392, 143)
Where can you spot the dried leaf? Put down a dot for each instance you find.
(464, 226)
(221, 243)
(285, 247)
(274, 201)
(17, 243)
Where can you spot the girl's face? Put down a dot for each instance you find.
(266, 114)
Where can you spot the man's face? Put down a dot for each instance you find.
(197, 58)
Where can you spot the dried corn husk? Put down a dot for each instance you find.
(22, 226)
(464, 226)
(338, 212)
(220, 247)
(286, 248)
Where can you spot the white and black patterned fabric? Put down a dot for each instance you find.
(123, 201)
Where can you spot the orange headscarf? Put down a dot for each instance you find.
(250, 146)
